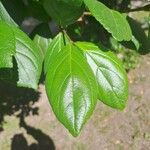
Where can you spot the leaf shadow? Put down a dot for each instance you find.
(18, 102)
(44, 142)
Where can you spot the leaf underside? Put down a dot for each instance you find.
(42, 43)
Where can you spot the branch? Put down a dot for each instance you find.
(143, 8)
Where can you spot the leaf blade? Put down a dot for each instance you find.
(113, 21)
(42, 43)
(71, 92)
(6, 50)
(27, 56)
(29, 60)
(54, 48)
(109, 73)
(64, 12)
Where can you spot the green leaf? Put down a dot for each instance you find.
(54, 48)
(36, 9)
(4, 16)
(110, 75)
(113, 21)
(15, 44)
(64, 12)
(7, 46)
(42, 43)
(71, 88)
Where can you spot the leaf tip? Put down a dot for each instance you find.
(75, 133)
(122, 107)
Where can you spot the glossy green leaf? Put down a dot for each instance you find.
(7, 46)
(113, 21)
(71, 88)
(64, 12)
(42, 43)
(110, 75)
(4, 16)
(15, 44)
(54, 48)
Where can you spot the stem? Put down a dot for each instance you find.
(64, 32)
